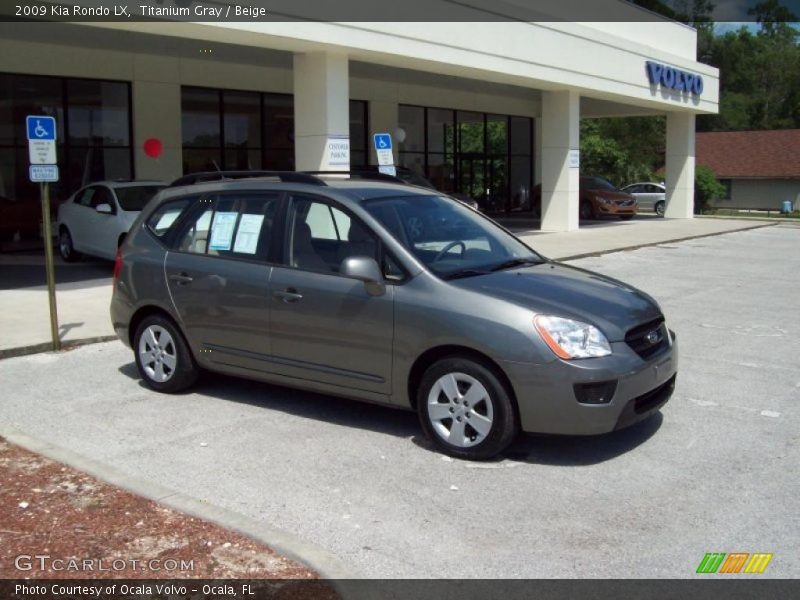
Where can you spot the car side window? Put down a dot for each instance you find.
(634, 189)
(231, 226)
(84, 198)
(320, 236)
(164, 217)
(651, 189)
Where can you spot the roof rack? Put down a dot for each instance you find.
(360, 174)
(284, 176)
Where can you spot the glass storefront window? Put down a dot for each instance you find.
(200, 122)
(470, 132)
(93, 138)
(411, 119)
(487, 157)
(233, 130)
(242, 121)
(98, 113)
(441, 129)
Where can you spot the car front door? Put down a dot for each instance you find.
(80, 218)
(104, 226)
(218, 275)
(325, 327)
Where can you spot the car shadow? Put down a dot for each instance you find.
(553, 450)
(346, 412)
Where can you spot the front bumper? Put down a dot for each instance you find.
(548, 404)
(614, 209)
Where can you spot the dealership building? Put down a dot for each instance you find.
(488, 109)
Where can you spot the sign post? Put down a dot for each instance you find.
(43, 170)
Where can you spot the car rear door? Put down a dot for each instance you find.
(218, 274)
(325, 327)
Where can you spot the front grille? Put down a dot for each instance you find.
(655, 397)
(641, 338)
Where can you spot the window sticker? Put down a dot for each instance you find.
(247, 234)
(222, 230)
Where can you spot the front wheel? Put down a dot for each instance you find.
(163, 357)
(65, 247)
(586, 211)
(465, 409)
(660, 208)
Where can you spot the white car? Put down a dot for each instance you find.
(650, 196)
(95, 219)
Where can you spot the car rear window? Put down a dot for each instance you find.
(162, 219)
(136, 198)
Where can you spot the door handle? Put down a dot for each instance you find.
(181, 278)
(289, 296)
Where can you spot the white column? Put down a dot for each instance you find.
(560, 135)
(680, 165)
(383, 118)
(321, 109)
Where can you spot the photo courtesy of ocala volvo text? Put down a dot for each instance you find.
(389, 293)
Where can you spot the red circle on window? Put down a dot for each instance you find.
(153, 147)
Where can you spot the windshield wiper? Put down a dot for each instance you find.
(464, 273)
(516, 262)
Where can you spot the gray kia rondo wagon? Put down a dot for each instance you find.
(387, 293)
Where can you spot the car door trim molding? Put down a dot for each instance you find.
(290, 362)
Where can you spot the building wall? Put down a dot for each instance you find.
(157, 79)
(762, 194)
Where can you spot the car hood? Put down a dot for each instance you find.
(551, 288)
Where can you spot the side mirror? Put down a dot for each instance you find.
(104, 209)
(364, 269)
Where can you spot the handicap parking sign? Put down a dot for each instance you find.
(383, 141)
(41, 128)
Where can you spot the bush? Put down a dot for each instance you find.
(706, 188)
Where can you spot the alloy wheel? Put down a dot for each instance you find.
(157, 353)
(460, 410)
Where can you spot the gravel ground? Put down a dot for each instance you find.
(49, 509)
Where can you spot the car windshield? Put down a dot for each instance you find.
(449, 238)
(598, 183)
(135, 198)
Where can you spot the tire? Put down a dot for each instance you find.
(660, 207)
(446, 386)
(626, 217)
(586, 212)
(65, 247)
(163, 357)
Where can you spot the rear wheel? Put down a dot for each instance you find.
(65, 247)
(465, 409)
(660, 206)
(586, 211)
(163, 356)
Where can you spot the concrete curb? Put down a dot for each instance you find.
(48, 346)
(662, 242)
(323, 562)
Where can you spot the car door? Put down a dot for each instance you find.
(104, 226)
(78, 218)
(325, 327)
(218, 274)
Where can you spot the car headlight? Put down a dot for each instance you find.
(602, 200)
(570, 339)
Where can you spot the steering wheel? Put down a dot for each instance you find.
(449, 247)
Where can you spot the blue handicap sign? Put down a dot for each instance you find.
(41, 127)
(383, 141)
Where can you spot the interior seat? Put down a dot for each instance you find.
(303, 254)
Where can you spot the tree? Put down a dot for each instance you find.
(622, 150)
(706, 188)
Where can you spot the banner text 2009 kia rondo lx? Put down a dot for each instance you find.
(387, 293)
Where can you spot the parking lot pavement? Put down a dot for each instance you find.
(717, 472)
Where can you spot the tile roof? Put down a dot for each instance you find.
(731, 154)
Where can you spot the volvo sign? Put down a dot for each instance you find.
(674, 79)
